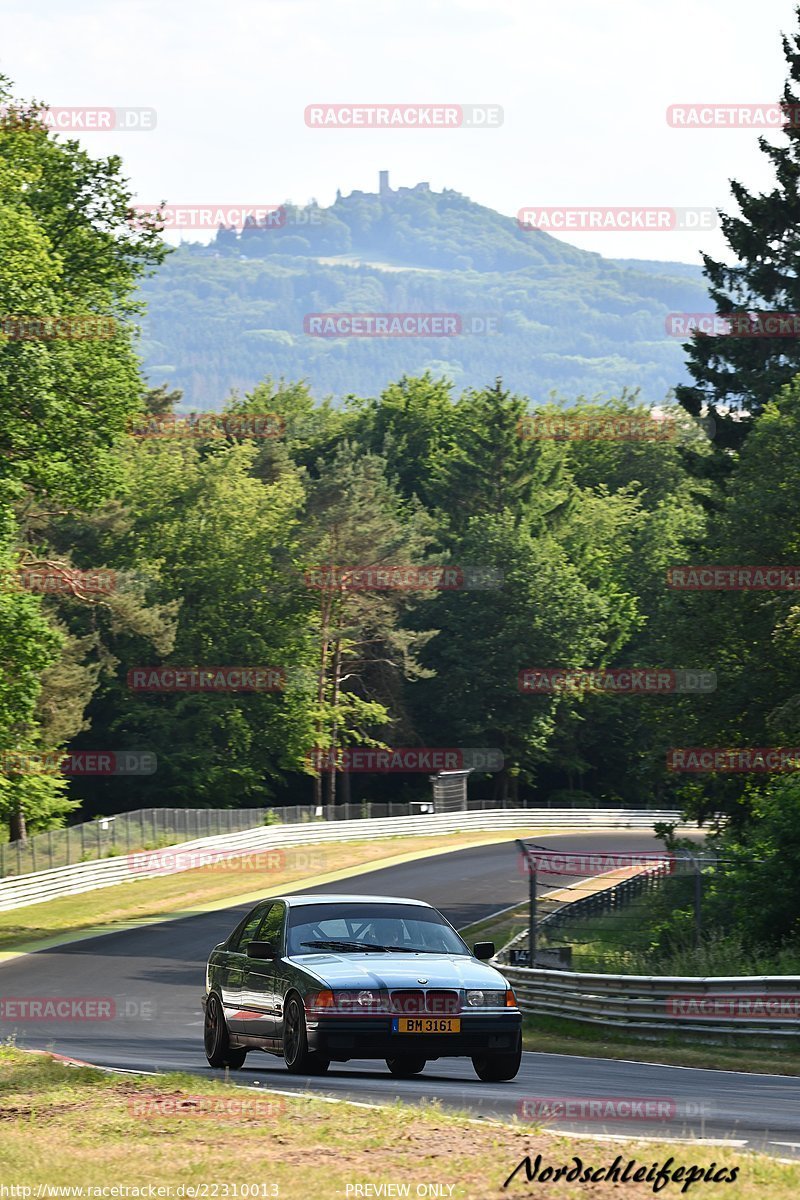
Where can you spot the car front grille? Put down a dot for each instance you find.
(436, 1001)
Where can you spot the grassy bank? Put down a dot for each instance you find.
(230, 880)
(644, 938)
(74, 1127)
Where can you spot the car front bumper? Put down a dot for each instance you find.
(372, 1037)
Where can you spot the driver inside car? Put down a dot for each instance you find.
(385, 932)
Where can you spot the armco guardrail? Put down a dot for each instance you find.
(767, 1005)
(22, 890)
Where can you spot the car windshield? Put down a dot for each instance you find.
(363, 928)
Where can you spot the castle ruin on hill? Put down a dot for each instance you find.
(385, 191)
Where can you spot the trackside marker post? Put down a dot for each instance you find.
(531, 868)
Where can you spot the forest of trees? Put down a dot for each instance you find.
(213, 545)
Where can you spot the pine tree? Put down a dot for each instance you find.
(736, 375)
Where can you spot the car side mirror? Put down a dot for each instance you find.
(483, 949)
(260, 950)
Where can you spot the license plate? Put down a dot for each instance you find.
(426, 1025)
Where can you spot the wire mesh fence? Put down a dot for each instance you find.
(613, 930)
(615, 910)
(144, 829)
(152, 828)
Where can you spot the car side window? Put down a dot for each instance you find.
(248, 931)
(271, 929)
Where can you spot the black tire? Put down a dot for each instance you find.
(498, 1068)
(406, 1066)
(219, 1051)
(296, 1054)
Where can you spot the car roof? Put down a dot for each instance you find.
(347, 898)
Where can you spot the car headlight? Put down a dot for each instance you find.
(479, 999)
(365, 1000)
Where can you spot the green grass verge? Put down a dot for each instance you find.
(68, 1127)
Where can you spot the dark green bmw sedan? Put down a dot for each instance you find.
(327, 978)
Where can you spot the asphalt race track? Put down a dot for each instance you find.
(155, 977)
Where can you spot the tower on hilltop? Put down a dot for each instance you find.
(383, 183)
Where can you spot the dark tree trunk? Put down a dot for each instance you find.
(17, 829)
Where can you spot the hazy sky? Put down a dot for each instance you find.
(584, 87)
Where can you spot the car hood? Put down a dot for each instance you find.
(367, 970)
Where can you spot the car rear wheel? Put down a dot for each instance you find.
(296, 1054)
(219, 1051)
(497, 1068)
(405, 1067)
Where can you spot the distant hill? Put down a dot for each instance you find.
(227, 314)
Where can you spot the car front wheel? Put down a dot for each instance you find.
(219, 1051)
(404, 1068)
(497, 1068)
(296, 1054)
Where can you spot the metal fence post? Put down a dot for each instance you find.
(532, 915)
(531, 869)
(698, 902)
